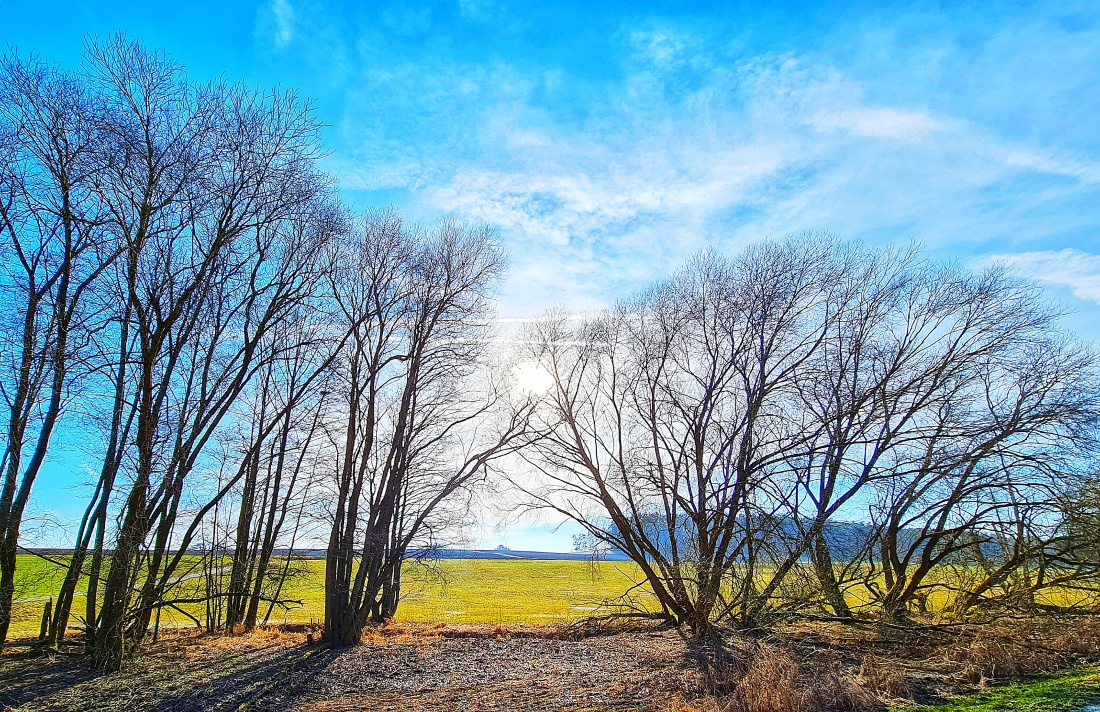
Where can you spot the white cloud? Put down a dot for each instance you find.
(1080, 271)
(663, 47)
(879, 121)
(602, 182)
(302, 36)
(1045, 162)
(596, 208)
(283, 13)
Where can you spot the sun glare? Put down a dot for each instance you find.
(532, 379)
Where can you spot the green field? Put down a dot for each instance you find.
(454, 591)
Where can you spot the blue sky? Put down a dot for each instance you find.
(608, 141)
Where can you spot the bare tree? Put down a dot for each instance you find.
(721, 425)
(417, 403)
(993, 454)
(668, 413)
(201, 195)
(279, 463)
(53, 253)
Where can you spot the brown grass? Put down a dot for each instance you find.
(882, 678)
(801, 667)
(1022, 647)
(806, 667)
(775, 681)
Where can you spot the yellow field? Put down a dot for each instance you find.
(514, 591)
(488, 591)
(454, 590)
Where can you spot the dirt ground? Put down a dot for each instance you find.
(398, 668)
(408, 667)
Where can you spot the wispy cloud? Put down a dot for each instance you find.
(622, 198)
(684, 132)
(307, 35)
(282, 20)
(1077, 270)
(879, 122)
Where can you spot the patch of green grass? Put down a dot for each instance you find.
(1064, 693)
(34, 578)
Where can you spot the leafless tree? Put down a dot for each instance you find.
(176, 269)
(417, 403)
(53, 253)
(719, 426)
(668, 412)
(988, 459)
(210, 200)
(280, 462)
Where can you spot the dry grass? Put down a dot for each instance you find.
(807, 667)
(774, 680)
(1022, 647)
(882, 679)
(800, 667)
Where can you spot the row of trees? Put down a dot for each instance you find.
(253, 369)
(731, 425)
(182, 288)
(160, 240)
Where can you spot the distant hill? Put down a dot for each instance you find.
(511, 554)
(502, 554)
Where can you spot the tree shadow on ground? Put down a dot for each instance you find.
(720, 661)
(24, 679)
(298, 683)
(241, 686)
(39, 678)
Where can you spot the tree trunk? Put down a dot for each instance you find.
(109, 649)
(7, 584)
(67, 593)
(391, 594)
(242, 551)
(895, 609)
(826, 575)
(95, 513)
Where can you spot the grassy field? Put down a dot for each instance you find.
(527, 592)
(493, 591)
(453, 590)
(487, 591)
(496, 591)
